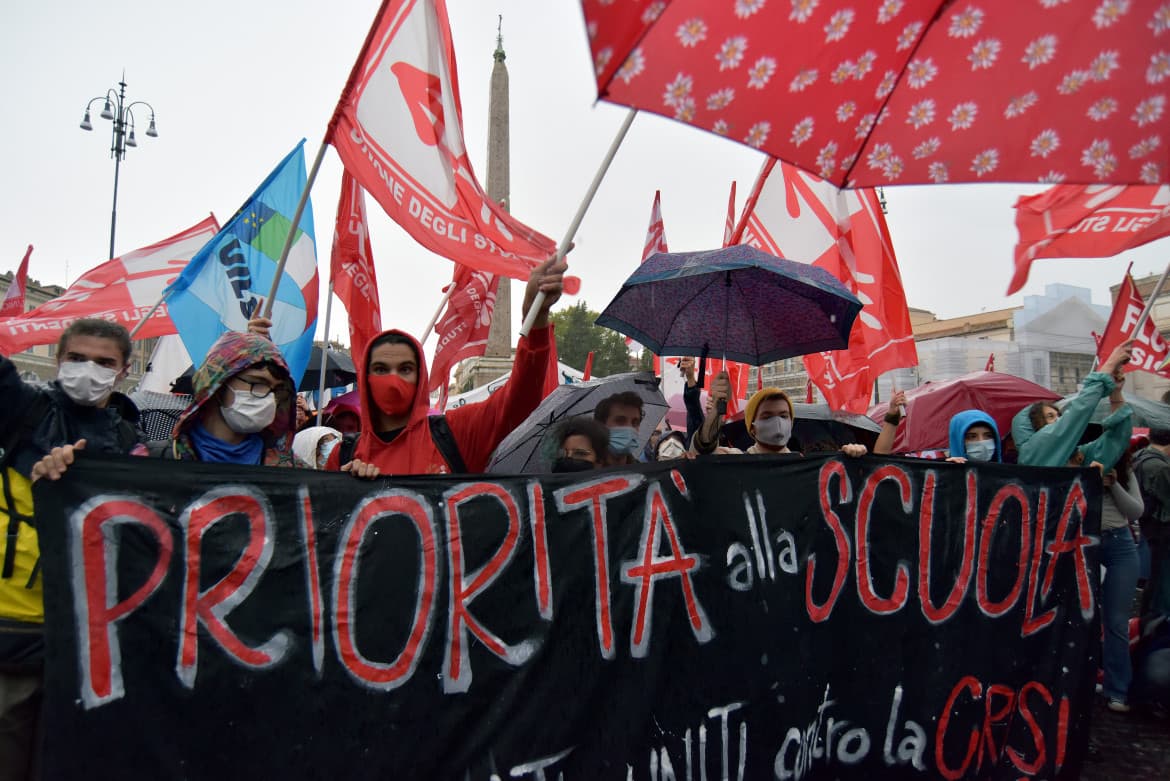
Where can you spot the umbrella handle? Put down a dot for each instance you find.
(703, 365)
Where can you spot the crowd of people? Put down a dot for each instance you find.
(245, 411)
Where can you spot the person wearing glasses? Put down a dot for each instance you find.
(242, 411)
(579, 445)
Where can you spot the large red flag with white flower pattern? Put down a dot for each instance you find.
(797, 216)
(904, 91)
(1087, 221)
(399, 131)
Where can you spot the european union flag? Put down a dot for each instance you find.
(223, 285)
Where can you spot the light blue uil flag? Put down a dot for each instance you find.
(224, 284)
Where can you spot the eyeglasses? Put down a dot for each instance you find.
(584, 455)
(261, 390)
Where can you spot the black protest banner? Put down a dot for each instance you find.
(733, 618)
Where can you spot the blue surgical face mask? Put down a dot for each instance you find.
(623, 440)
(981, 450)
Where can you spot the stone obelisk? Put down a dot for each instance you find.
(497, 357)
(500, 337)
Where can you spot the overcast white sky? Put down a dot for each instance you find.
(237, 84)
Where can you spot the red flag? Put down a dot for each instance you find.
(795, 215)
(729, 223)
(552, 376)
(463, 329)
(588, 367)
(13, 303)
(122, 290)
(990, 367)
(398, 129)
(352, 269)
(656, 233)
(655, 237)
(1087, 221)
(1150, 351)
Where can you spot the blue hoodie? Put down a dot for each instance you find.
(965, 420)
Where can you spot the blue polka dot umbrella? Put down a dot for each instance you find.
(737, 302)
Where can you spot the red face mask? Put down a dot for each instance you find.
(391, 393)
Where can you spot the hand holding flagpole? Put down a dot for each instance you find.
(544, 288)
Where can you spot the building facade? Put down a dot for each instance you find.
(1048, 340)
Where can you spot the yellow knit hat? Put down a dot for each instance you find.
(749, 412)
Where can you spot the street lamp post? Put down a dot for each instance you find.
(115, 108)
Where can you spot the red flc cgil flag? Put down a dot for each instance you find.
(655, 242)
(795, 215)
(122, 290)
(398, 129)
(352, 270)
(1150, 351)
(656, 233)
(1087, 221)
(13, 303)
(463, 329)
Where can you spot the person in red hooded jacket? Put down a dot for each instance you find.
(397, 438)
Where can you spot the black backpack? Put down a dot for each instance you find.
(441, 434)
(1154, 511)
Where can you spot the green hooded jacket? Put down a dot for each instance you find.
(1054, 444)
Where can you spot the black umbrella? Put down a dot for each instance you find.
(520, 452)
(737, 302)
(339, 371)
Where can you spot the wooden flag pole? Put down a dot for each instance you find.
(1141, 321)
(438, 312)
(538, 302)
(150, 314)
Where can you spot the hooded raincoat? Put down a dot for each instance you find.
(1054, 444)
(961, 421)
(476, 428)
(231, 354)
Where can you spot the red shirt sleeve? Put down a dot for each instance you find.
(478, 428)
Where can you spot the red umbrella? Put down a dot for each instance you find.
(904, 91)
(929, 407)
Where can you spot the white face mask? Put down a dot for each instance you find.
(248, 414)
(774, 431)
(671, 449)
(981, 450)
(85, 382)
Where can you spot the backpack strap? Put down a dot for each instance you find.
(33, 416)
(346, 449)
(444, 440)
(441, 435)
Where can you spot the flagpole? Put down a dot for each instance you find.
(153, 309)
(538, 301)
(1141, 321)
(438, 312)
(292, 231)
(324, 356)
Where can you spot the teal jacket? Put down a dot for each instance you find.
(1054, 444)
